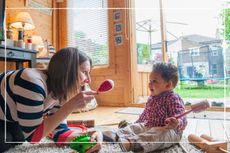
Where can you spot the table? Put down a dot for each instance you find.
(18, 55)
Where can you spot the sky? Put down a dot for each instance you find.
(183, 17)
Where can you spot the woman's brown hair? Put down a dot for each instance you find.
(63, 72)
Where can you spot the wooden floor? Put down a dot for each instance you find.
(219, 129)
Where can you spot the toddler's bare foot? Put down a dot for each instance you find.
(124, 144)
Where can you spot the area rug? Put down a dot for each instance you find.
(46, 146)
(202, 115)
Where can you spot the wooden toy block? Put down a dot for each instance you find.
(87, 123)
(208, 138)
(212, 146)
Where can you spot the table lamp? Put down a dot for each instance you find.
(23, 21)
(38, 45)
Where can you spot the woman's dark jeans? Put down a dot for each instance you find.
(13, 135)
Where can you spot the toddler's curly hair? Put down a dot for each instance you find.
(168, 71)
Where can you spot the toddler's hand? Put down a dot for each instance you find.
(171, 123)
(95, 135)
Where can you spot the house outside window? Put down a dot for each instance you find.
(194, 51)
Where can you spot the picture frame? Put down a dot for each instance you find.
(117, 28)
(117, 15)
(118, 40)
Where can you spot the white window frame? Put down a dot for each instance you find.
(194, 51)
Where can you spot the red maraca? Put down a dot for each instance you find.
(105, 86)
(196, 108)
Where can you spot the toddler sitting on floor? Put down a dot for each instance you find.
(157, 128)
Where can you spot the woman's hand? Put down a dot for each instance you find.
(171, 123)
(95, 135)
(82, 98)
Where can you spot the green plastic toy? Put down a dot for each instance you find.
(82, 143)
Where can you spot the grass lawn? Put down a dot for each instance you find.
(206, 91)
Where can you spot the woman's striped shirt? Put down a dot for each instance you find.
(24, 99)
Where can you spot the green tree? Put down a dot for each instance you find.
(100, 55)
(227, 24)
(80, 35)
(227, 36)
(143, 53)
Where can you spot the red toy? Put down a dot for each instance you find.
(105, 86)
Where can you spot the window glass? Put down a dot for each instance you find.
(147, 31)
(88, 28)
(197, 42)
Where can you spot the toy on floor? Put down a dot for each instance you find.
(72, 125)
(207, 143)
(196, 108)
(82, 143)
(105, 86)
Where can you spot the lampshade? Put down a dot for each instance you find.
(38, 41)
(23, 20)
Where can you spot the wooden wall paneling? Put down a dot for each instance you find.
(145, 87)
(54, 24)
(61, 34)
(147, 84)
(122, 68)
(125, 60)
(115, 102)
(103, 77)
(143, 72)
(9, 66)
(137, 87)
(141, 84)
(2, 66)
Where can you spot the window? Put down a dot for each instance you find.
(193, 31)
(148, 34)
(214, 50)
(194, 52)
(88, 28)
(214, 53)
(214, 70)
